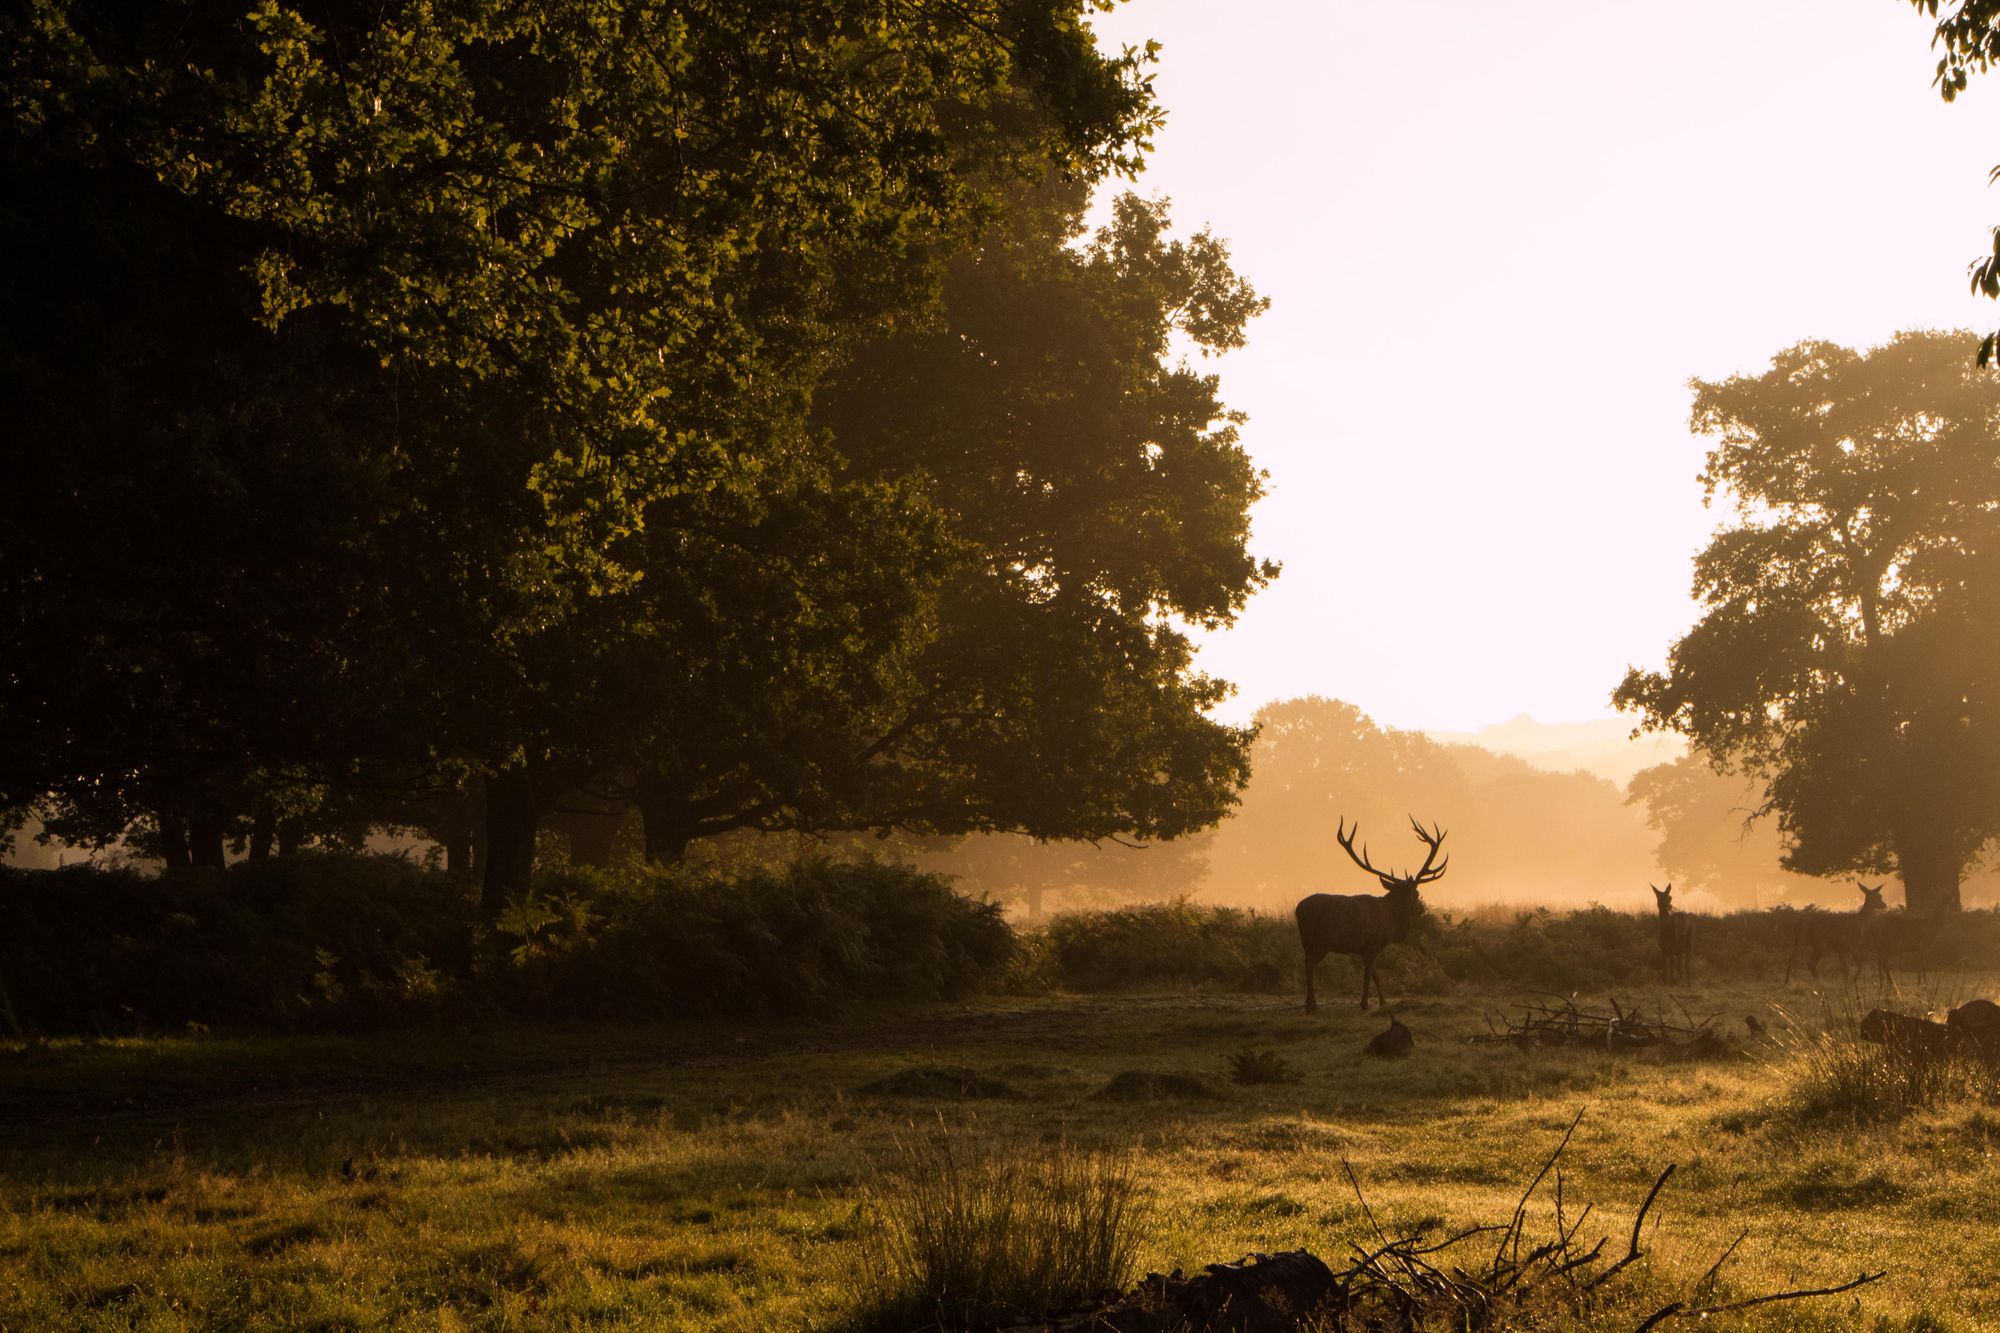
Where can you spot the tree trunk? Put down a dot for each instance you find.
(670, 824)
(1930, 883)
(458, 852)
(173, 843)
(291, 836)
(513, 814)
(593, 839)
(205, 839)
(263, 832)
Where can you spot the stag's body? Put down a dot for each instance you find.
(1363, 924)
(1844, 933)
(1676, 937)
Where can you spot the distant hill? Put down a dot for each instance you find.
(1603, 746)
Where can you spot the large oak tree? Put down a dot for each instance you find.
(1848, 654)
(359, 344)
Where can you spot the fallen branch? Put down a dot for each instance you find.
(1678, 1311)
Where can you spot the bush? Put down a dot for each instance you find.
(1177, 944)
(321, 940)
(967, 1237)
(801, 940)
(299, 941)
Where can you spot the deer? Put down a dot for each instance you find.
(1363, 924)
(1676, 936)
(1889, 934)
(1844, 933)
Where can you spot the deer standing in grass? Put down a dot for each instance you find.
(1364, 924)
(1844, 933)
(1888, 935)
(1676, 936)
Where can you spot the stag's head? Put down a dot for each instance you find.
(1663, 898)
(1402, 889)
(1871, 899)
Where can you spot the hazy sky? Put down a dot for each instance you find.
(1499, 237)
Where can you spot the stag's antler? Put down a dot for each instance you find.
(1432, 837)
(1359, 858)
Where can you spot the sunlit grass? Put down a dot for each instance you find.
(967, 1232)
(720, 1177)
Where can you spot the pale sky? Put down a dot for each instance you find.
(1499, 236)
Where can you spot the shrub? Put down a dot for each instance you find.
(1177, 944)
(813, 936)
(1254, 1066)
(308, 940)
(322, 940)
(966, 1236)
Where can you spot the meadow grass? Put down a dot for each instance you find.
(731, 1175)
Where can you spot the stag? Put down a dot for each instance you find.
(1676, 936)
(1363, 924)
(1844, 933)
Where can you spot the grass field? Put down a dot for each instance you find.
(717, 1176)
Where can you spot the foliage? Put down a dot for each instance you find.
(324, 940)
(1097, 499)
(469, 399)
(1176, 944)
(1844, 654)
(969, 1235)
(813, 937)
(1968, 32)
(1251, 1065)
(302, 941)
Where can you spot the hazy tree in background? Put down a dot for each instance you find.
(1519, 834)
(1709, 838)
(1009, 868)
(1969, 35)
(1849, 653)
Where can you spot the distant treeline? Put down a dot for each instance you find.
(1520, 834)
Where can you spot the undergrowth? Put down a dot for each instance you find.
(1830, 1074)
(966, 1235)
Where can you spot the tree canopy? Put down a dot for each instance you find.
(1846, 653)
(711, 405)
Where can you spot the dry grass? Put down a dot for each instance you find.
(967, 1233)
(718, 1176)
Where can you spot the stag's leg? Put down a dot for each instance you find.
(1312, 1003)
(1368, 979)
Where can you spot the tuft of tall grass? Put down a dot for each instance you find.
(967, 1235)
(1830, 1073)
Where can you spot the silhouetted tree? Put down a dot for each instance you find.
(1849, 653)
(999, 646)
(360, 347)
